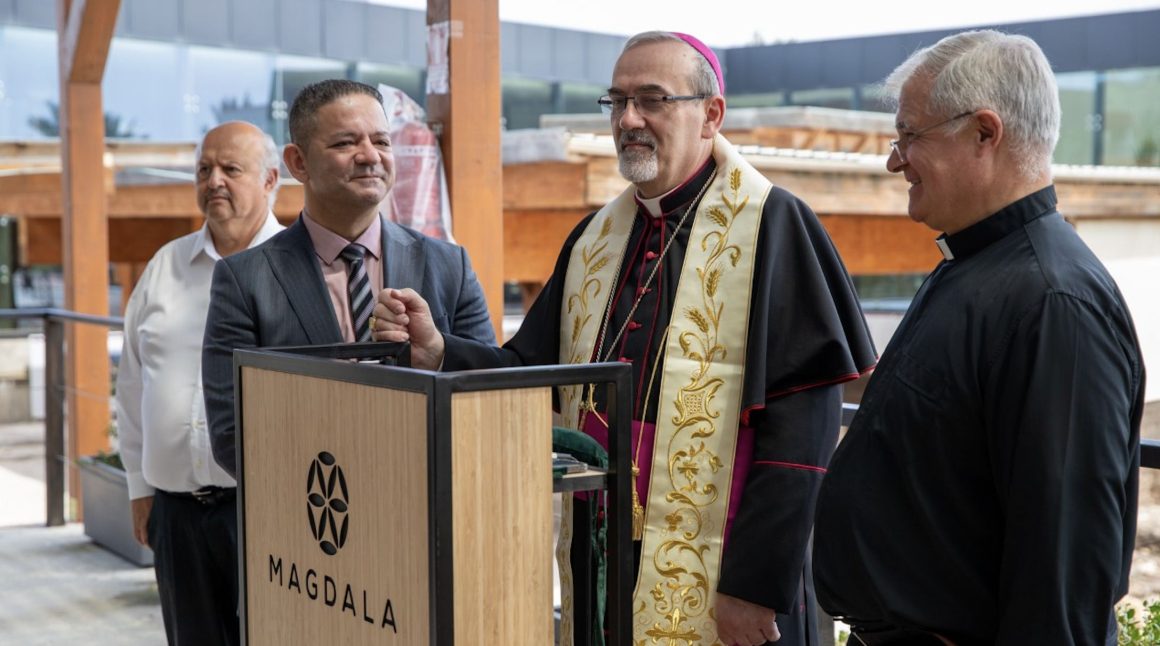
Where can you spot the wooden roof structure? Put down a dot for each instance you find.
(150, 197)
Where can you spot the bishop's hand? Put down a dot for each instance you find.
(741, 623)
(403, 315)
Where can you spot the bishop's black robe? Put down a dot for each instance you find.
(806, 335)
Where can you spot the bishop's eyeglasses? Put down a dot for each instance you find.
(647, 103)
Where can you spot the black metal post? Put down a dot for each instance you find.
(619, 511)
(54, 445)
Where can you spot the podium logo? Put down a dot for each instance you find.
(327, 502)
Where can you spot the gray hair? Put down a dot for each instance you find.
(987, 69)
(704, 79)
(271, 160)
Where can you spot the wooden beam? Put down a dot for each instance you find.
(34, 181)
(880, 245)
(468, 117)
(532, 240)
(131, 240)
(88, 32)
(84, 30)
(147, 200)
(550, 185)
(140, 220)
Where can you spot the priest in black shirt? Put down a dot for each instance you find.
(730, 302)
(986, 491)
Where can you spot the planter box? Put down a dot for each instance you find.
(108, 517)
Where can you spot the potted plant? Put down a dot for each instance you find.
(105, 505)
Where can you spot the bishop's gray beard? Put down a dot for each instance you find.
(638, 170)
(637, 165)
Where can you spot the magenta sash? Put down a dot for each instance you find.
(742, 461)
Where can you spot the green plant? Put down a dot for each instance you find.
(1146, 152)
(1139, 628)
(112, 457)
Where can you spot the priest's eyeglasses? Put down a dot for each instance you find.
(899, 146)
(646, 102)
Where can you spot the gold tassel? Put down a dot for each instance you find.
(637, 509)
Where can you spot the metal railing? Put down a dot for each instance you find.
(55, 389)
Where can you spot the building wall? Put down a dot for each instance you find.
(1108, 68)
(178, 67)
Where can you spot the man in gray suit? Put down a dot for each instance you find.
(314, 282)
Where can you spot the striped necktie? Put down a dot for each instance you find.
(358, 287)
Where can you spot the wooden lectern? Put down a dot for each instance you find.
(387, 505)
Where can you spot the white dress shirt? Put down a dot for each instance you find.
(164, 440)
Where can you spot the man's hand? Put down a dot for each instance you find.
(403, 315)
(740, 623)
(142, 507)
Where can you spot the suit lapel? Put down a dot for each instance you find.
(404, 258)
(296, 268)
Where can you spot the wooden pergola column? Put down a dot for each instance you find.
(469, 117)
(85, 31)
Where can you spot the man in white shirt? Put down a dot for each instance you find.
(183, 502)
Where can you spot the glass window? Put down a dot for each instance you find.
(407, 79)
(1131, 124)
(887, 286)
(524, 101)
(229, 85)
(766, 100)
(291, 74)
(874, 99)
(144, 92)
(577, 98)
(29, 89)
(1077, 99)
(829, 98)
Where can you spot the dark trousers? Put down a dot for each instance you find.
(195, 555)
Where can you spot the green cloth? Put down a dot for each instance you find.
(581, 446)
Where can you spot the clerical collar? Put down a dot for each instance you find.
(981, 234)
(668, 203)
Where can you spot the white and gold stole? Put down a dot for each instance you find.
(700, 397)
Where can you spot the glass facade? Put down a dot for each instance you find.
(28, 83)
(166, 91)
(842, 98)
(228, 85)
(578, 98)
(1108, 117)
(873, 99)
(767, 100)
(1079, 118)
(524, 101)
(1131, 124)
(176, 92)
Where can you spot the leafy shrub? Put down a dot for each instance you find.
(1139, 628)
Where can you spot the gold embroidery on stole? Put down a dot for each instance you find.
(592, 270)
(700, 397)
(696, 426)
